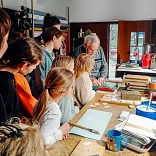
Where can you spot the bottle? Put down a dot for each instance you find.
(136, 54)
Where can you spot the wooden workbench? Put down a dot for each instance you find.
(65, 147)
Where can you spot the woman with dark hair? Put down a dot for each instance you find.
(14, 35)
(52, 39)
(49, 21)
(27, 101)
(22, 57)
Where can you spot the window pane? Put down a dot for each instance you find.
(141, 50)
(133, 39)
(113, 49)
(132, 50)
(140, 38)
(137, 40)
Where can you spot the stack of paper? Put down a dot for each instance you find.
(137, 82)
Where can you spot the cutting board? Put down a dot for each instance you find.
(87, 147)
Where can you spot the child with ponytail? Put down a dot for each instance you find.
(58, 84)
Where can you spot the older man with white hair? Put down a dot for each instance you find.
(92, 47)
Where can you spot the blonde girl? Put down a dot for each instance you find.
(58, 84)
(66, 104)
(29, 143)
(83, 84)
(64, 61)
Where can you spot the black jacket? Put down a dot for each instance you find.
(9, 101)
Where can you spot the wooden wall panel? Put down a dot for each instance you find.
(100, 28)
(153, 35)
(124, 31)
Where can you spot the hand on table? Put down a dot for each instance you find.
(65, 137)
(65, 130)
(95, 82)
(101, 80)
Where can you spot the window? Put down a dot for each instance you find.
(113, 41)
(137, 41)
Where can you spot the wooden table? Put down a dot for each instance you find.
(65, 147)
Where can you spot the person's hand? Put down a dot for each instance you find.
(65, 129)
(65, 137)
(101, 80)
(95, 82)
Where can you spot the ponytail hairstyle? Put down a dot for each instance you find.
(50, 33)
(83, 63)
(49, 21)
(23, 50)
(58, 79)
(5, 24)
(62, 61)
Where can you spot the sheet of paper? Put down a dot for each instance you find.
(94, 119)
(141, 125)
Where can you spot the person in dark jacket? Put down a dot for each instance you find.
(22, 56)
(92, 47)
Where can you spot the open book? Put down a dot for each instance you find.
(140, 132)
(108, 87)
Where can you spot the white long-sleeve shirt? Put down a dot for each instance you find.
(50, 124)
